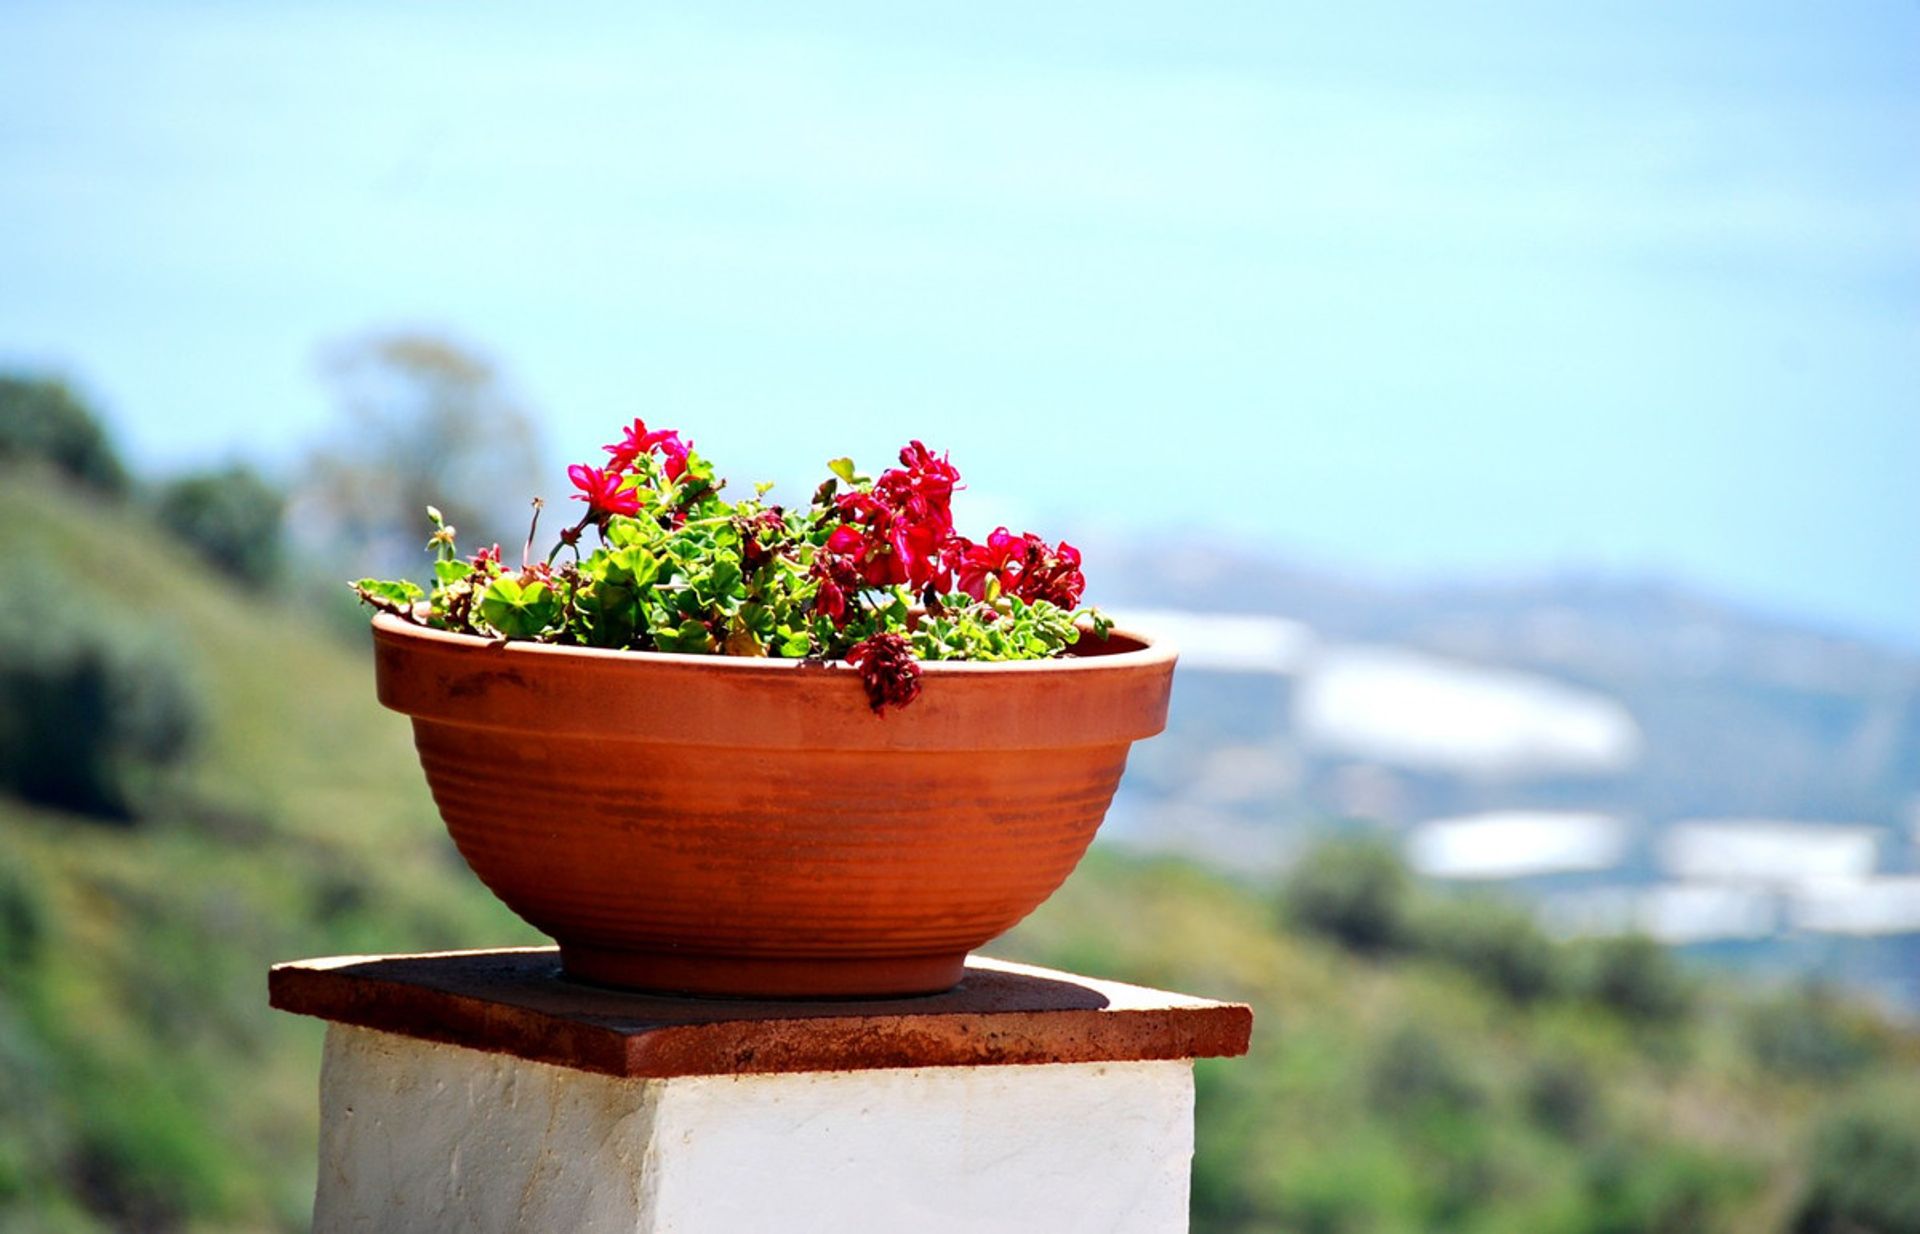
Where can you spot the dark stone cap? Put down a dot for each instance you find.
(516, 1002)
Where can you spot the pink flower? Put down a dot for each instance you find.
(603, 490)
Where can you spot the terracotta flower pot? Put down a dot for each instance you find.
(719, 825)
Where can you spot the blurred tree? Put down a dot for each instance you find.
(1864, 1174)
(43, 418)
(422, 420)
(23, 924)
(1632, 1189)
(1496, 941)
(232, 516)
(1636, 977)
(1354, 891)
(1562, 1096)
(1416, 1073)
(86, 707)
(1811, 1033)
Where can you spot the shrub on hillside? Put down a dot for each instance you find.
(1670, 1190)
(43, 419)
(1494, 941)
(1563, 1098)
(23, 922)
(1810, 1035)
(232, 516)
(1863, 1176)
(85, 708)
(1415, 1073)
(1355, 891)
(1635, 977)
(1359, 893)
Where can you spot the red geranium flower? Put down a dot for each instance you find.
(760, 538)
(922, 475)
(673, 455)
(846, 541)
(888, 671)
(915, 557)
(1053, 574)
(1024, 566)
(973, 564)
(638, 441)
(838, 577)
(604, 491)
(898, 531)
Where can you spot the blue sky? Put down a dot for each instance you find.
(1412, 290)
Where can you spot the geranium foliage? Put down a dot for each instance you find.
(871, 571)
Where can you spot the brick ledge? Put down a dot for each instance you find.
(516, 1002)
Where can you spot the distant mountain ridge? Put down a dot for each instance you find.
(1565, 738)
(1742, 714)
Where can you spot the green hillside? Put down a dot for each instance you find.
(1415, 1092)
(1452, 1073)
(145, 1082)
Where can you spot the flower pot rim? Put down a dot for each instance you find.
(1114, 697)
(1149, 651)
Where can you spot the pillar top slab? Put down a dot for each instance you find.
(516, 1002)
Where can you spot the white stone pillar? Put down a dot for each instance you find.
(480, 1092)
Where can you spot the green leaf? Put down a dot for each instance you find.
(519, 612)
(723, 580)
(605, 608)
(393, 596)
(638, 565)
(758, 618)
(451, 571)
(842, 467)
(691, 638)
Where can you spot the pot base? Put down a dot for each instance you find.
(799, 977)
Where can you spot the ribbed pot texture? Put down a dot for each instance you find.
(726, 826)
